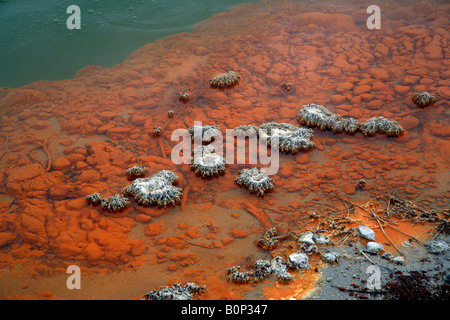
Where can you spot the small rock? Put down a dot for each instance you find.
(299, 261)
(407, 244)
(280, 269)
(331, 257)
(398, 260)
(366, 232)
(374, 247)
(321, 239)
(306, 237)
(309, 248)
(387, 256)
(437, 247)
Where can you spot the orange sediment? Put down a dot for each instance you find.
(46, 223)
(5, 148)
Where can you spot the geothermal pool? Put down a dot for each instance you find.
(63, 140)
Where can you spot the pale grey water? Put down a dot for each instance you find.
(35, 43)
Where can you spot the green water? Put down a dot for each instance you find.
(35, 43)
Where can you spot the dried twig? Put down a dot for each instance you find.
(405, 233)
(382, 229)
(199, 245)
(360, 290)
(365, 255)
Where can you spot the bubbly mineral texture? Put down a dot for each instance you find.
(156, 131)
(183, 96)
(254, 180)
(330, 257)
(206, 162)
(288, 138)
(279, 268)
(263, 269)
(269, 241)
(205, 133)
(249, 131)
(170, 114)
(381, 125)
(286, 86)
(94, 198)
(225, 80)
(175, 292)
(157, 189)
(136, 171)
(299, 261)
(423, 99)
(114, 203)
(235, 275)
(315, 115)
(272, 238)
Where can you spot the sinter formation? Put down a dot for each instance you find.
(225, 80)
(157, 189)
(287, 137)
(175, 292)
(136, 171)
(254, 180)
(204, 133)
(315, 115)
(206, 162)
(423, 99)
(114, 203)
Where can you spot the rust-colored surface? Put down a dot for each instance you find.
(66, 139)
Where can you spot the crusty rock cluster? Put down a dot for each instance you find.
(315, 115)
(157, 189)
(136, 171)
(175, 292)
(255, 180)
(206, 133)
(246, 131)
(423, 99)
(380, 125)
(206, 162)
(288, 138)
(263, 269)
(183, 96)
(94, 198)
(113, 203)
(225, 80)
